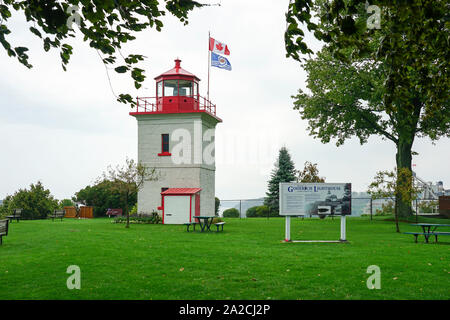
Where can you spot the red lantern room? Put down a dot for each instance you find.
(177, 91)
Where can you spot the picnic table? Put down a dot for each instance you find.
(428, 230)
(205, 222)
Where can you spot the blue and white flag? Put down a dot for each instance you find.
(220, 62)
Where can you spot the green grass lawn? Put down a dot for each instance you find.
(247, 261)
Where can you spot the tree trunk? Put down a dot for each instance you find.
(396, 215)
(128, 214)
(404, 159)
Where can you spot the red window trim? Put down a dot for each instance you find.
(166, 153)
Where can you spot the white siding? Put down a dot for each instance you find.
(191, 175)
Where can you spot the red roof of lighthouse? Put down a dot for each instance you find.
(176, 72)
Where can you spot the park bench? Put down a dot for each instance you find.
(16, 215)
(219, 224)
(58, 214)
(188, 224)
(114, 212)
(436, 234)
(416, 235)
(3, 229)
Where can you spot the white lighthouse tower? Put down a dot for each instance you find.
(176, 135)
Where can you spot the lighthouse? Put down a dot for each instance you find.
(176, 136)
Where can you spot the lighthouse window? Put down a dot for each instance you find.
(165, 142)
(195, 89)
(185, 88)
(170, 88)
(160, 89)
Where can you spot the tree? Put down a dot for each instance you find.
(388, 79)
(102, 196)
(394, 185)
(65, 203)
(36, 202)
(284, 171)
(4, 207)
(128, 179)
(105, 25)
(310, 173)
(231, 213)
(386, 209)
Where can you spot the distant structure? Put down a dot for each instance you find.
(430, 191)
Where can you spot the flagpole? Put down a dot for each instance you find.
(209, 62)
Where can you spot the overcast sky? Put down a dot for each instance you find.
(65, 128)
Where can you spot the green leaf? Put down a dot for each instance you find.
(121, 69)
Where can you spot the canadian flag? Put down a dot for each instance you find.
(218, 47)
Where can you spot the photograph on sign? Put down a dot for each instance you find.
(315, 199)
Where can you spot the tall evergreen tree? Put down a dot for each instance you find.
(284, 171)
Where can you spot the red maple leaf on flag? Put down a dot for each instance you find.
(219, 46)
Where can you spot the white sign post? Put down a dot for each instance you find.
(343, 228)
(322, 199)
(288, 229)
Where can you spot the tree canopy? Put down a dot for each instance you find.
(127, 180)
(106, 25)
(36, 202)
(102, 197)
(310, 173)
(390, 80)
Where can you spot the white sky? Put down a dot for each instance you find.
(65, 128)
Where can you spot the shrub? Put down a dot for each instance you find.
(259, 211)
(154, 218)
(386, 209)
(231, 213)
(263, 211)
(251, 212)
(133, 210)
(217, 219)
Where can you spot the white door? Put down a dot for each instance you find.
(176, 209)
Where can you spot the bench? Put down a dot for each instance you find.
(16, 215)
(114, 212)
(219, 224)
(58, 214)
(3, 229)
(188, 224)
(416, 234)
(436, 234)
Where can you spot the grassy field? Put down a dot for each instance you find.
(247, 261)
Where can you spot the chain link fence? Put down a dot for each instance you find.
(361, 206)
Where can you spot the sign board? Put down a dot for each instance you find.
(315, 198)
